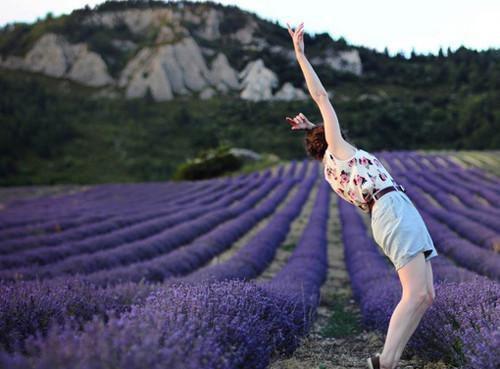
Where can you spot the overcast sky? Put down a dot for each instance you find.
(399, 25)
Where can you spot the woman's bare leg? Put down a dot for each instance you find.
(407, 315)
(432, 294)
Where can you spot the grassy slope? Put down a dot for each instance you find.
(117, 140)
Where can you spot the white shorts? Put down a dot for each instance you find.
(399, 229)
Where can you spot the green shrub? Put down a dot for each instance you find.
(208, 164)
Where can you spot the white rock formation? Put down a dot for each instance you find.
(145, 72)
(51, 55)
(175, 69)
(141, 21)
(257, 81)
(346, 61)
(245, 34)
(191, 17)
(210, 30)
(223, 76)
(54, 56)
(165, 35)
(207, 93)
(288, 92)
(89, 69)
(138, 21)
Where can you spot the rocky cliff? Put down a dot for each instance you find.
(173, 51)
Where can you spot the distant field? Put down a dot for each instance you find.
(487, 160)
(262, 269)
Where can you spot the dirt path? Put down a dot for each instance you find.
(296, 229)
(243, 240)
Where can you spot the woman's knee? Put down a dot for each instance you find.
(415, 282)
(418, 298)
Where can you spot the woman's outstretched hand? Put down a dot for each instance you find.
(300, 122)
(297, 37)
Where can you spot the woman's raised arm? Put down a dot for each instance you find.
(336, 143)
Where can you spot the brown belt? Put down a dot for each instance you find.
(382, 192)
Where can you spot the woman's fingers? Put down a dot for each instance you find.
(290, 30)
(291, 121)
(295, 33)
(300, 119)
(299, 29)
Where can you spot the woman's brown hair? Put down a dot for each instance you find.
(315, 142)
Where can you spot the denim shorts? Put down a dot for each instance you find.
(398, 228)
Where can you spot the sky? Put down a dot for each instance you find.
(399, 25)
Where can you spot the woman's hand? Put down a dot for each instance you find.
(300, 122)
(297, 37)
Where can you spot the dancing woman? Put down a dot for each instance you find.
(359, 177)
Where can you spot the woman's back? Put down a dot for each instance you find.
(356, 179)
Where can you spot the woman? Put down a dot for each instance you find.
(358, 177)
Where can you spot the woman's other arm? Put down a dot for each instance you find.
(333, 135)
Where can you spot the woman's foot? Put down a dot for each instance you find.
(377, 362)
(374, 362)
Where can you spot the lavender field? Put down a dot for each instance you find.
(233, 272)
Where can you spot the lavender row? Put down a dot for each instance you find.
(128, 205)
(188, 258)
(460, 326)
(468, 228)
(444, 197)
(66, 226)
(145, 195)
(33, 306)
(57, 300)
(141, 231)
(448, 203)
(301, 278)
(472, 230)
(467, 254)
(138, 223)
(464, 196)
(464, 252)
(185, 230)
(477, 187)
(79, 231)
(452, 185)
(226, 324)
(253, 258)
(35, 212)
(474, 176)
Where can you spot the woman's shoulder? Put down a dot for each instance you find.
(343, 154)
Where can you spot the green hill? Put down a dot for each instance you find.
(57, 127)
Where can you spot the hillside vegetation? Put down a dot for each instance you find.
(54, 130)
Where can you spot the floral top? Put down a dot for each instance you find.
(358, 178)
